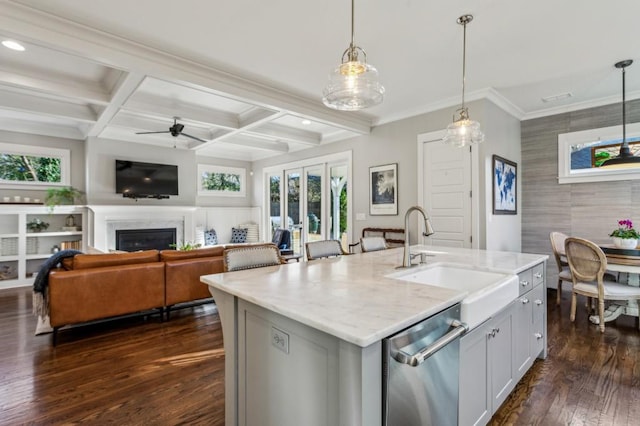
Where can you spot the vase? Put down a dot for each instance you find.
(625, 243)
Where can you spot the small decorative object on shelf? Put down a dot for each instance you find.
(625, 236)
(37, 225)
(55, 249)
(64, 195)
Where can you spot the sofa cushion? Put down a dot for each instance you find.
(238, 235)
(168, 255)
(210, 238)
(85, 261)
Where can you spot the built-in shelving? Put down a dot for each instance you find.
(22, 251)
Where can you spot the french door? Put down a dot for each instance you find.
(311, 200)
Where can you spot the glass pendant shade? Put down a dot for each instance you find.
(353, 85)
(463, 131)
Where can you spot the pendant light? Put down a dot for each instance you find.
(354, 84)
(463, 131)
(625, 158)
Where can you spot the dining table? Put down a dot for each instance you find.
(626, 264)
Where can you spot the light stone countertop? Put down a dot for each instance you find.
(349, 297)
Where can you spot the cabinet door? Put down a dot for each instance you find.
(538, 332)
(501, 357)
(474, 406)
(522, 312)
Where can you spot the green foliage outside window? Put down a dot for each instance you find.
(221, 182)
(26, 168)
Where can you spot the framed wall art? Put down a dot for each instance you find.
(383, 192)
(505, 186)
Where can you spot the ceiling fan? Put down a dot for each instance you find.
(175, 130)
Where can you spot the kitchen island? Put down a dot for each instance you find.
(303, 340)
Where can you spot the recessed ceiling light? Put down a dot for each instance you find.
(13, 45)
(306, 122)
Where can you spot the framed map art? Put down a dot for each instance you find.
(505, 186)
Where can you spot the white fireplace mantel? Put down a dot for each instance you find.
(104, 220)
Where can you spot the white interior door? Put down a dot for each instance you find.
(447, 192)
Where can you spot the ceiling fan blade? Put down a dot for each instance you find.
(193, 137)
(149, 133)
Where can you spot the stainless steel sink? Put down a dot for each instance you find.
(487, 291)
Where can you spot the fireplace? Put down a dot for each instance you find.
(145, 239)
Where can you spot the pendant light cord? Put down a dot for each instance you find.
(464, 56)
(353, 25)
(624, 111)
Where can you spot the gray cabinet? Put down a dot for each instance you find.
(486, 369)
(495, 355)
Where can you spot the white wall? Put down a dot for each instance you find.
(396, 143)
(77, 159)
(100, 163)
(502, 137)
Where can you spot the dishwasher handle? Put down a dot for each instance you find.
(459, 328)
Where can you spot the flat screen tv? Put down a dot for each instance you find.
(146, 180)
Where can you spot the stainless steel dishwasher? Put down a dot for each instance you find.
(420, 372)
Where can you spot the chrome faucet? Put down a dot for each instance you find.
(428, 230)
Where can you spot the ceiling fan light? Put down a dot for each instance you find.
(353, 86)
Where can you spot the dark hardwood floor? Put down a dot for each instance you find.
(138, 371)
(126, 372)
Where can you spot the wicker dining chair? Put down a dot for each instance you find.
(372, 244)
(249, 257)
(323, 248)
(588, 263)
(564, 273)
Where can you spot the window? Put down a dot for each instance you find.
(33, 166)
(221, 181)
(580, 154)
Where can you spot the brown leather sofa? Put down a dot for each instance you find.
(98, 286)
(182, 271)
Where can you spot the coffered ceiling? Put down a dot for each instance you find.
(246, 77)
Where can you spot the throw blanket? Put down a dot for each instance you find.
(41, 283)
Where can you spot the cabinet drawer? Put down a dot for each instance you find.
(525, 281)
(538, 301)
(538, 335)
(538, 274)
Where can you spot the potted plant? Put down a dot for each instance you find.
(37, 225)
(62, 195)
(625, 237)
(186, 246)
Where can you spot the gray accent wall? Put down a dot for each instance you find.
(588, 210)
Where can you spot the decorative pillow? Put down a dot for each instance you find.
(210, 238)
(238, 235)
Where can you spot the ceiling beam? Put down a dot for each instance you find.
(61, 33)
(49, 107)
(32, 82)
(124, 88)
(36, 128)
(266, 145)
(290, 134)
